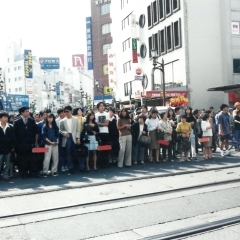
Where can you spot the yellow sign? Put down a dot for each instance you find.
(105, 69)
(107, 91)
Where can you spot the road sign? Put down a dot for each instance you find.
(139, 74)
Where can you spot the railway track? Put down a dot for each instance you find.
(57, 212)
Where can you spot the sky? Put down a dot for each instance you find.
(50, 28)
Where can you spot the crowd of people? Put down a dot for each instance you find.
(71, 140)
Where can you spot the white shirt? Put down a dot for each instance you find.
(153, 124)
(206, 132)
(4, 128)
(141, 130)
(102, 118)
(69, 124)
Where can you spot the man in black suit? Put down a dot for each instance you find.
(26, 134)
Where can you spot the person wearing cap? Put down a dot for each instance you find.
(236, 108)
(26, 134)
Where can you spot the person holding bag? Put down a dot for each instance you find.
(50, 134)
(207, 133)
(184, 128)
(139, 130)
(153, 126)
(90, 128)
(166, 127)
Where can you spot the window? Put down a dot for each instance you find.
(162, 42)
(106, 28)
(105, 9)
(143, 51)
(155, 12)
(8, 69)
(8, 60)
(168, 8)
(9, 80)
(16, 89)
(127, 66)
(128, 89)
(20, 89)
(9, 90)
(20, 78)
(149, 12)
(15, 79)
(156, 43)
(177, 34)
(169, 38)
(176, 5)
(142, 20)
(62, 93)
(126, 44)
(19, 67)
(236, 65)
(161, 10)
(150, 46)
(15, 68)
(105, 48)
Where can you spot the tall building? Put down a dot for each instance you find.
(196, 39)
(16, 81)
(101, 42)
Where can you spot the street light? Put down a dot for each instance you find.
(159, 66)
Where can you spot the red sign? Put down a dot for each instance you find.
(78, 60)
(134, 56)
(233, 97)
(168, 94)
(139, 71)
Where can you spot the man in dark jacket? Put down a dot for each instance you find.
(6, 144)
(138, 129)
(26, 134)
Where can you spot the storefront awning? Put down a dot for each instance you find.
(226, 89)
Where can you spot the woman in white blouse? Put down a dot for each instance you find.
(153, 125)
(207, 133)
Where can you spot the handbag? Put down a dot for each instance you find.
(144, 139)
(179, 137)
(159, 135)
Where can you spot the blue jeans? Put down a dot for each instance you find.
(236, 135)
(69, 151)
(138, 152)
(5, 158)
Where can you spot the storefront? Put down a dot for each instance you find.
(172, 98)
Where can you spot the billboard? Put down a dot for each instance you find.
(78, 60)
(12, 102)
(49, 63)
(28, 67)
(89, 42)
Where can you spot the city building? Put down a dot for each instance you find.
(196, 40)
(101, 42)
(16, 82)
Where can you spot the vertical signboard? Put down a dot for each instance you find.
(134, 51)
(89, 42)
(28, 68)
(58, 90)
(235, 28)
(111, 68)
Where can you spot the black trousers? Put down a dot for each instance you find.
(27, 163)
(103, 156)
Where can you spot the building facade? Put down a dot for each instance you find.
(195, 40)
(101, 42)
